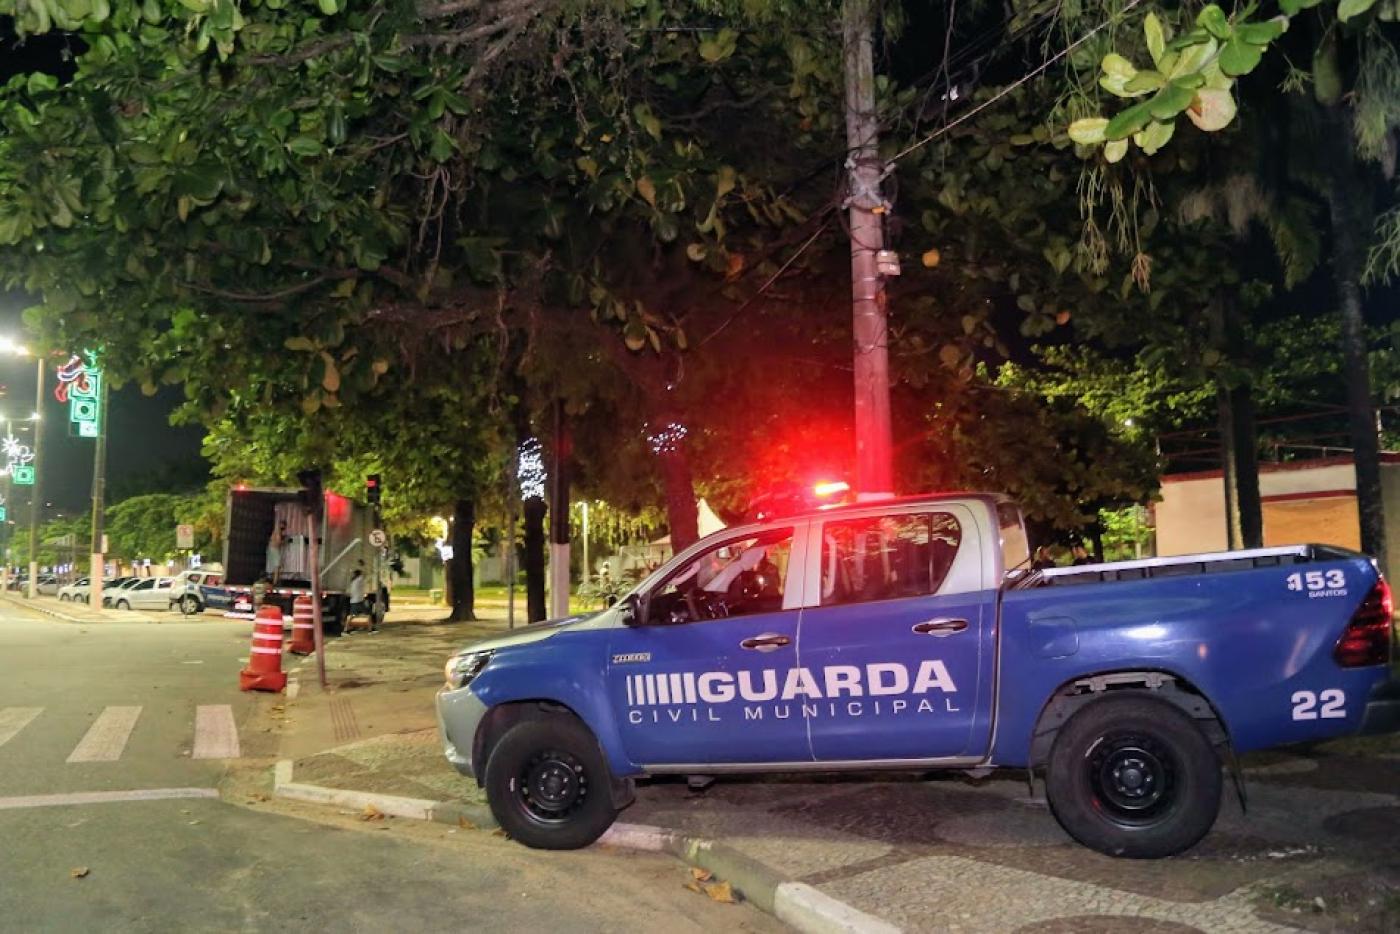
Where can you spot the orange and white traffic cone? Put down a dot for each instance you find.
(303, 626)
(264, 671)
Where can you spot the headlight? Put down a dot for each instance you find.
(462, 669)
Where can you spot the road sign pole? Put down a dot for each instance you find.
(98, 566)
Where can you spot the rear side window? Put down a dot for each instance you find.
(887, 557)
(1015, 549)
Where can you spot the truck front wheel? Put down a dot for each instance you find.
(548, 784)
(1135, 777)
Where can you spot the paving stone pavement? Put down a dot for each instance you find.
(944, 852)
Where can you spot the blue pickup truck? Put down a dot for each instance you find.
(911, 634)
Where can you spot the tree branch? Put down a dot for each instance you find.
(258, 298)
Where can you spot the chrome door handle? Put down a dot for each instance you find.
(766, 642)
(940, 627)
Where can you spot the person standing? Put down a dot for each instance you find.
(275, 545)
(357, 600)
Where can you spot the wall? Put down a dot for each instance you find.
(1304, 502)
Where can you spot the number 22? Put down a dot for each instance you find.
(1333, 705)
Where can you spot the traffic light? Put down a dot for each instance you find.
(372, 489)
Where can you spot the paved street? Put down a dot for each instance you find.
(97, 718)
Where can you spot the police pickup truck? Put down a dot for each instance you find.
(909, 634)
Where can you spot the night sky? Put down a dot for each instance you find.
(144, 453)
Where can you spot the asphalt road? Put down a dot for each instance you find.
(97, 722)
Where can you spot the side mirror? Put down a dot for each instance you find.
(630, 610)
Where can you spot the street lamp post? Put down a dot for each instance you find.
(38, 486)
(9, 345)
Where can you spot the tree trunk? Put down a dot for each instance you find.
(1239, 443)
(1225, 418)
(1349, 219)
(559, 578)
(460, 567)
(533, 559)
(682, 514)
(1247, 496)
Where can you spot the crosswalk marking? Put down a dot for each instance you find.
(106, 738)
(215, 734)
(14, 719)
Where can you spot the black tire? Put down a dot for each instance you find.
(189, 605)
(548, 784)
(1134, 776)
(123, 605)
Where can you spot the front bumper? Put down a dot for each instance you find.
(459, 713)
(1382, 714)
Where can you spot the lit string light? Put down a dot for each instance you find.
(667, 439)
(529, 470)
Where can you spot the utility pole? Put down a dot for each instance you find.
(97, 566)
(37, 490)
(874, 448)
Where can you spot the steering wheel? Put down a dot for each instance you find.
(704, 605)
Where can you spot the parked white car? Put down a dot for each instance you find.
(110, 594)
(48, 585)
(76, 592)
(148, 593)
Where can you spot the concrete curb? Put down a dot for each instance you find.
(798, 904)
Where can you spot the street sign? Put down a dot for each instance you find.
(378, 539)
(184, 536)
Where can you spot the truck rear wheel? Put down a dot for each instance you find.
(1134, 776)
(548, 784)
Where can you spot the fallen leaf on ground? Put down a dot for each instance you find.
(498, 832)
(694, 886)
(720, 892)
(371, 813)
(466, 824)
(79, 872)
(701, 875)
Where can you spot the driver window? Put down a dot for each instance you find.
(738, 577)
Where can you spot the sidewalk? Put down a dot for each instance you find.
(1319, 848)
(73, 612)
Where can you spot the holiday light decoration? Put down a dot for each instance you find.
(18, 458)
(529, 470)
(667, 439)
(80, 385)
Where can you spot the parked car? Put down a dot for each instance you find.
(149, 593)
(76, 592)
(48, 585)
(190, 594)
(121, 585)
(909, 634)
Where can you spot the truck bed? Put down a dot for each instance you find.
(1180, 566)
